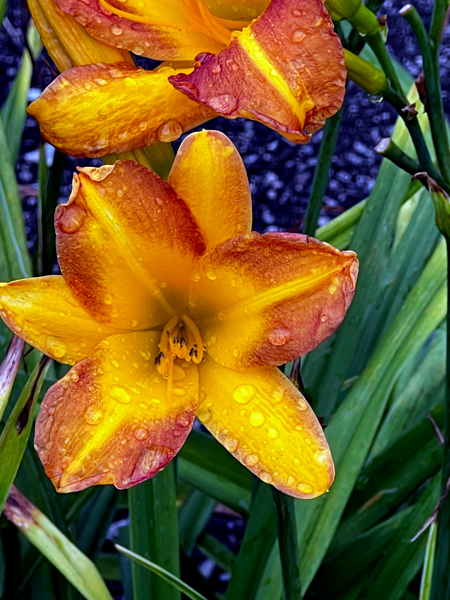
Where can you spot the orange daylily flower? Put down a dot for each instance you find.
(170, 308)
(285, 68)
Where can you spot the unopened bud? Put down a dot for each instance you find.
(441, 201)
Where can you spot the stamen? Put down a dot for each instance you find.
(175, 341)
(182, 342)
(157, 361)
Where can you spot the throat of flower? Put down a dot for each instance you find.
(181, 339)
(198, 17)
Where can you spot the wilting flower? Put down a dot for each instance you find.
(285, 69)
(170, 308)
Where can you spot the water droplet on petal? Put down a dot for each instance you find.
(298, 36)
(140, 433)
(280, 336)
(216, 69)
(139, 50)
(93, 415)
(266, 477)
(169, 131)
(211, 275)
(244, 393)
(305, 488)
(301, 404)
(236, 352)
(251, 460)
(225, 103)
(178, 391)
(277, 395)
(231, 444)
(272, 433)
(120, 394)
(204, 416)
(116, 29)
(257, 419)
(183, 420)
(71, 219)
(115, 364)
(56, 347)
(74, 376)
(108, 299)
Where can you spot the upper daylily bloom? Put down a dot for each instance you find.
(285, 68)
(170, 308)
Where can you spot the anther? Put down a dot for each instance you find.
(161, 355)
(193, 352)
(175, 340)
(182, 342)
(157, 361)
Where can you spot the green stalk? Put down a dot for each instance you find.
(321, 174)
(416, 134)
(434, 93)
(440, 9)
(288, 543)
(376, 42)
(427, 572)
(389, 149)
(441, 575)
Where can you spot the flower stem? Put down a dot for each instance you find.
(288, 543)
(417, 137)
(441, 574)
(321, 174)
(376, 43)
(389, 149)
(438, 22)
(435, 108)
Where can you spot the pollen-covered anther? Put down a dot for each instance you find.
(181, 339)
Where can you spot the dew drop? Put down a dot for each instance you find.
(183, 420)
(169, 131)
(72, 219)
(244, 393)
(301, 404)
(139, 50)
(211, 275)
(277, 395)
(236, 352)
(305, 488)
(115, 364)
(251, 460)
(93, 415)
(56, 347)
(231, 444)
(155, 400)
(266, 477)
(297, 13)
(298, 36)
(145, 355)
(108, 299)
(257, 419)
(74, 376)
(204, 416)
(225, 103)
(116, 29)
(163, 284)
(308, 441)
(143, 126)
(178, 391)
(272, 433)
(120, 394)
(280, 336)
(140, 434)
(216, 69)
(290, 481)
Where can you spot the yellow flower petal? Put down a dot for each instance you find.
(239, 11)
(264, 421)
(169, 30)
(44, 313)
(127, 245)
(103, 109)
(109, 420)
(209, 175)
(286, 70)
(67, 41)
(264, 300)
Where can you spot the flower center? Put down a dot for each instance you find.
(180, 338)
